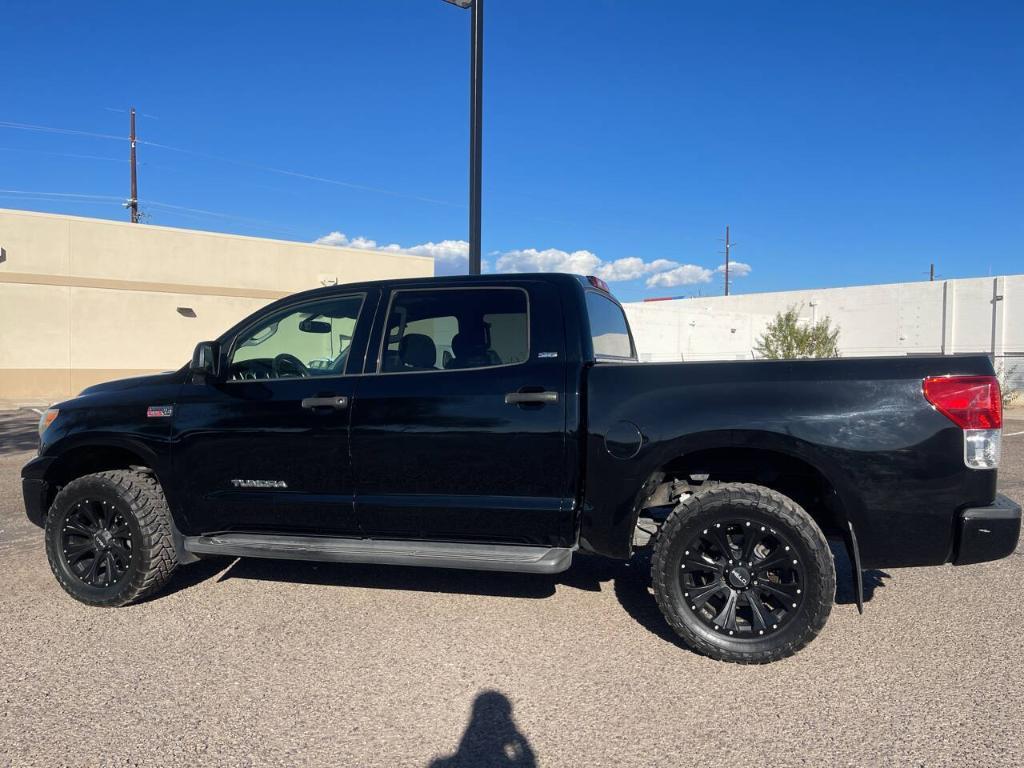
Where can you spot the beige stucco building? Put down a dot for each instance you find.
(87, 300)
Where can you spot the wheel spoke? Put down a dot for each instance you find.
(788, 592)
(76, 528)
(111, 568)
(699, 564)
(722, 541)
(122, 531)
(726, 618)
(108, 514)
(121, 553)
(93, 572)
(78, 551)
(89, 515)
(777, 559)
(753, 537)
(762, 617)
(697, 596)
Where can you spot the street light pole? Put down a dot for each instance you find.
(476, 131)
(476, 124)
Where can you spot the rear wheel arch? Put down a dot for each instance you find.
(783, 471)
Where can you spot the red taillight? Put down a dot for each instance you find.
(971, 402)
(598, 283)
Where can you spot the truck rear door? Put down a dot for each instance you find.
(458, 423)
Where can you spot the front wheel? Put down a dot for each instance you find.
(743, 574)
(108, 537)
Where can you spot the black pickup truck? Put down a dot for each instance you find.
(504, 423)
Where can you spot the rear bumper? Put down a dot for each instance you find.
(987, 533)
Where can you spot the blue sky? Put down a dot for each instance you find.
(844, 143)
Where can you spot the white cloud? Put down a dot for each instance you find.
(632, 267)
(548, 260)
(332, 238)
(685, 274)
(447, 251)
(736, 269)
(452, 254)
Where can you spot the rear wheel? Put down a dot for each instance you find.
(108, 537)
(742, 573)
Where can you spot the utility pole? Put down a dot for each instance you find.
(133, 201)
(931, 274)
(727, 245)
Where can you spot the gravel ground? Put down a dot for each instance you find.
(276, 663)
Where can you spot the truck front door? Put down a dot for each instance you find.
(265, 445)
(459, 421)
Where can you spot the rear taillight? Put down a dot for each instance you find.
(970, 402)
(975, 405)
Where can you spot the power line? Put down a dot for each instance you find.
(239, 163)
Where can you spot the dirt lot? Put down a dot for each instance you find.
(274, 663)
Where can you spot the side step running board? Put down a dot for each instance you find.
(474, 557)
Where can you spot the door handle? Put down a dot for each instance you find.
(520, 398)
(337, 403)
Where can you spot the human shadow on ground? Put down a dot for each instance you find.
(491, 739)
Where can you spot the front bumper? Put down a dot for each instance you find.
(35, 490)
(987, 533)
(35, 493)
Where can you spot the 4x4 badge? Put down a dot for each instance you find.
(159, 411)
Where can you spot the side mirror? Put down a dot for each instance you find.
(206, 358)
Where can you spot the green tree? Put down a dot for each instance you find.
(786, 338)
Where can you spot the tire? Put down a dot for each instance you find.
(108, 538)
(755, 548)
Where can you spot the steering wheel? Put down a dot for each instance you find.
(289, 365)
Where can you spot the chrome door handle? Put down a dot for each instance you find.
(519, 398)
(337, 403)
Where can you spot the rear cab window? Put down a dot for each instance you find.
(609, 331)
(455, 329)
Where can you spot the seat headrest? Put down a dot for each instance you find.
(417, 350)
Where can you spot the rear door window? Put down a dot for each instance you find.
(455, 329)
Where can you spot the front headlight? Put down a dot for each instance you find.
(46, 419)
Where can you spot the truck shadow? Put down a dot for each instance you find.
(491, 739)
(587, 574)
(631, 581)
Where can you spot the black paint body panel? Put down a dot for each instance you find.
(896, 464)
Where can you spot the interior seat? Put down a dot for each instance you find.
(417, 352)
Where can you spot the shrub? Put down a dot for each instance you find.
(786, 338)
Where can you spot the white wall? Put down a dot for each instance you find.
(944, 317)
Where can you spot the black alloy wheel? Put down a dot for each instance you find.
(96, 542)
(742, 578)
(743, 573)
(109, 537)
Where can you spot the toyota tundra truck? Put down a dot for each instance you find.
(504, 423)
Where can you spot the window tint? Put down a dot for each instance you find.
(311, 340)
(443, 330)
(608, 328)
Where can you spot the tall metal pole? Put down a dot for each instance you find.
(726, 259)
(476, 130)
(931, 274)
(133, 201)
